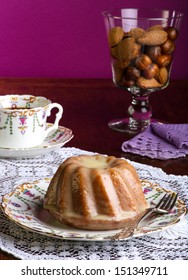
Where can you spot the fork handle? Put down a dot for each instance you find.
(147, 212)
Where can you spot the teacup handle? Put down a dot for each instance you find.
(58, 117)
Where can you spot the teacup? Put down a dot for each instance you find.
(23, 120)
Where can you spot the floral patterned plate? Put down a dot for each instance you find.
(24, 205)
(56, 139)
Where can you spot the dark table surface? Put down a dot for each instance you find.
(90, 103)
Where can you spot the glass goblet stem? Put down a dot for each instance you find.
(139, 115)
(140, 112)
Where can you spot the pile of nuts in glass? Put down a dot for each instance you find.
(142, 58)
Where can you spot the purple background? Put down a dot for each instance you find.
(57, 38)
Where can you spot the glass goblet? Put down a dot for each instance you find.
(142, 43)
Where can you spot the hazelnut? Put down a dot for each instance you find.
(153, 52)
(164, 60)
(168, 47)
(143, 61)
(133, 72)
(151, 72)
(127, 82)
(172, 33)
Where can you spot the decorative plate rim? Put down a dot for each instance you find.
(64, 232)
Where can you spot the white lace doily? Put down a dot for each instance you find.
(168, 244)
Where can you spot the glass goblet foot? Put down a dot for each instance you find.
(139, 112)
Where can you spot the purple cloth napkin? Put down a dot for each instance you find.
(160, 141)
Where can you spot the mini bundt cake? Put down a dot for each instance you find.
(95, 192)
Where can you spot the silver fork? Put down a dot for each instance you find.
(164, 206)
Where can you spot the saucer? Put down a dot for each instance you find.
(56, 139)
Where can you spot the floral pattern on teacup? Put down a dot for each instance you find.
(23, 120)
(15, 102)
(22, 115)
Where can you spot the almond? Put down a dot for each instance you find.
(145, 83)
(163, 75)
(117, 71)
(126, 50)
(121, 64)
(155, 27)
(153, 37)
(115, 36)
(137, 32)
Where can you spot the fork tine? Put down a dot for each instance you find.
(165, 202)
(171, 202)
(161, 202)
